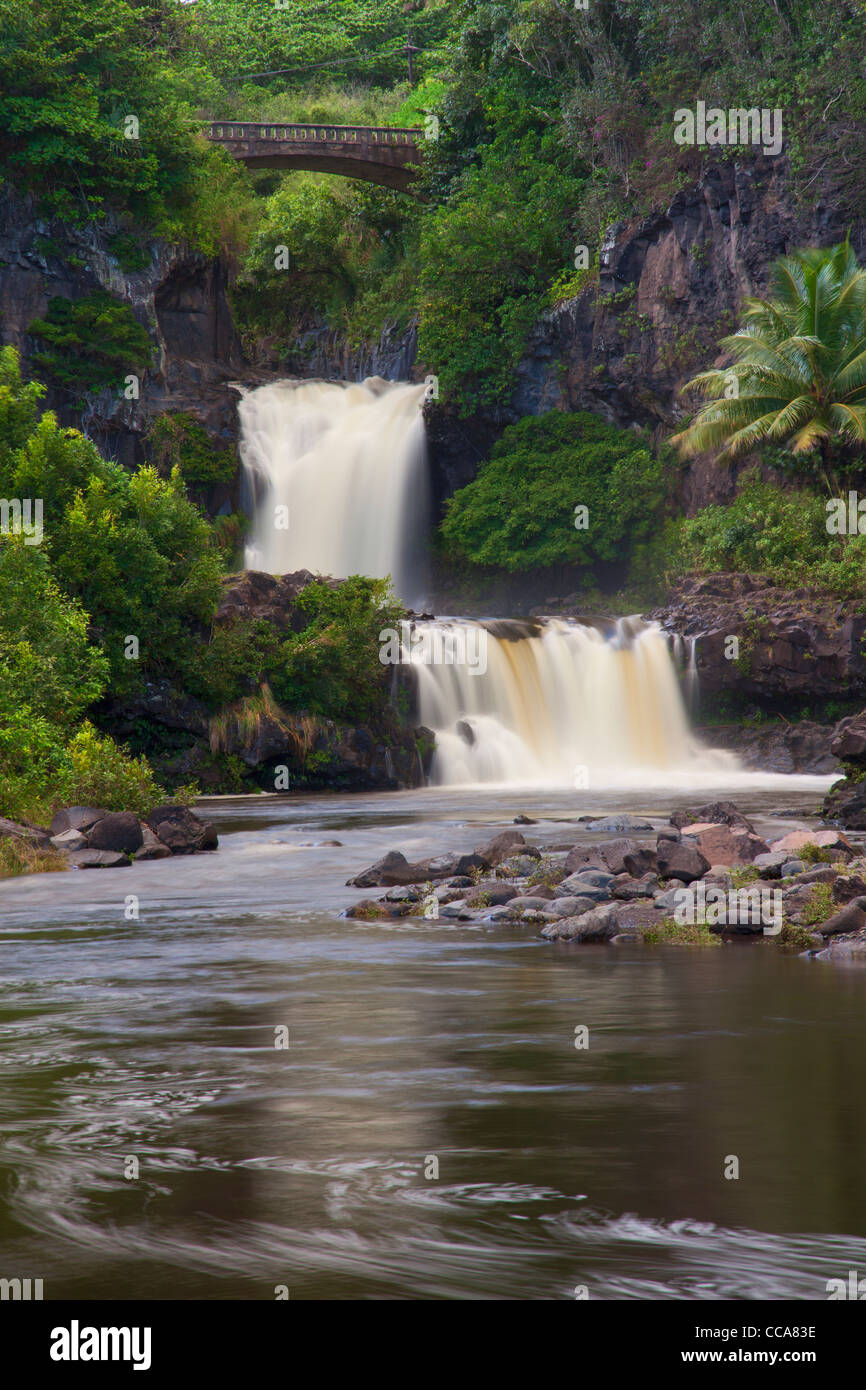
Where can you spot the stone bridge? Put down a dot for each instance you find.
(379, 154)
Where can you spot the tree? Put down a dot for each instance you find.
(799, 373)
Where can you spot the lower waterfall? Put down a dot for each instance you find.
(552, 702)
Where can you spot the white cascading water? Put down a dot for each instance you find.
(336, 480)
(344, 464)
(553, 702)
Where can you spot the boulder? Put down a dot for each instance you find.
(75, 818)
(22, 830)
(682, 861)
(714, 813)
(832, 840)
(69, 840)
(576, 886)
(392, 870)
(848, 741)
(571, 907)
(847, 887)
(850, 918)
(501, 847)
(119, 831)
(182, 830)
(770, 864)
(639, 862)
(98, 859)
(491, 895)
(722, 843)
(627, 889)
(151, 846)
(619, 825)
(600, 924)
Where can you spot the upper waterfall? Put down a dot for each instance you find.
(334, 476)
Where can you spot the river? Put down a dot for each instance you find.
(598, 1170)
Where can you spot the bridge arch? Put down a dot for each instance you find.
(387, 155)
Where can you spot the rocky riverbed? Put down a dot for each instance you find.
(706, 876)
(89, 837)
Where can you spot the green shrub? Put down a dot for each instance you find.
(670, 933)
(91, 343)
(177, 440)
(519, 512)
(98, 772)
(782, 534)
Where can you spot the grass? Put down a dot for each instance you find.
(813, 854)
(22, 857)
(820, 905)
(796, 936)
(667, 932)
(745, 875)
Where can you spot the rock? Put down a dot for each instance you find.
(668, 901)
(821, 873)
(851, 918)
(182, 830)
(792, 866)
(583, 856)
(576, 886)
(390, 871)
(775, 746)
(501, 847)
(151, 846)
(725, 844)
(75, 818)
(98, 859)
(770, 864)
(600, 924)
(594, 878)
(846, 803)
(69, 840)
(626, 889)
(610, 854)
(682, 861)
(538, 890)
(492, 895)
(639, 862)
(823, 839)
(622, 825)
(532, 902)
(524, 820)
(848, 741)
(441, 866)
(119, 831)
(571, 907)
(518, 866)
(714, 813)
(847, 887)
(633, 918)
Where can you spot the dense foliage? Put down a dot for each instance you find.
(798, 377)
(89, 343)
(520, 511)
(780, 533)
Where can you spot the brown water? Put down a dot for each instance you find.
(305, 1167)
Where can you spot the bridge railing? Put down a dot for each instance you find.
(309, 134)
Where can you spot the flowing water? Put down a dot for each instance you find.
(554, 703)
(557, 1168)
(335, 479)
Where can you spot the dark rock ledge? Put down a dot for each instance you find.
(89, 837)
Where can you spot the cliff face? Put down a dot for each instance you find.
(669, 288)
(179, 296)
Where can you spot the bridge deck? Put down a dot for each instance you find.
(378, 154)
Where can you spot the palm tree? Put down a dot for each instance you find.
(798, 378)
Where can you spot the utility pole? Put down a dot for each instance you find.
(409, 48)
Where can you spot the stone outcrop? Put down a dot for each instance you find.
(845, 803)
(796, 647)
(90, 837)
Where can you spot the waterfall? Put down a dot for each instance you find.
(334, 476)
(552, 702)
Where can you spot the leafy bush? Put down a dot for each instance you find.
(98, 772)
(332, 668)
(91, 342)
(782, 534)
(519, 512)
(177, 440)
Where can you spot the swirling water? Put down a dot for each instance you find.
(312, 1166)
